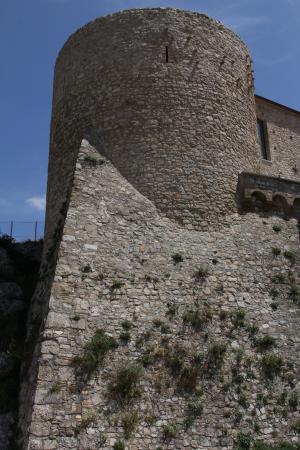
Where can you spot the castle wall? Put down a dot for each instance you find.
(117, 261)
(179, 130)
(283, 133)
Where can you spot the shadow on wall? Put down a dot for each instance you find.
(278, 206)
(266, 195)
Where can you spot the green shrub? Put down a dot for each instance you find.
(279, 278)
(175, 363)
(119, 445)
(244, 441)
(165, 329)
(169, 432)
(276, 251)
(202, 272)
(265, 343)
(197, 318)
(239, 354)
(271, 365)
(194, 410)
(222, 315)
(116, 284)
(282, 398)
(291, 256)
(55, 388)
(76, 318)
(238, 318)
(244, 401)
(295, 293)
(93, 160)
(125, 337)
(151, 419)
(126, 325)
(129, 423)
(188, 379)
(237, 377)
(295, 427)
(274, 293)
(197, 359)
(253, 329)
(124, 387)
(147, 359)
(294, 401)
(177, 258)
(216, 354)
(277, 228)
(158, 323)
(256, 426)
(93, 353)
(237, 416)
(171, 310)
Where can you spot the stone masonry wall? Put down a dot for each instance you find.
(179, 130)
(207, 326)
(283, 129)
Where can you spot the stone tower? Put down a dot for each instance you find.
(169, 97)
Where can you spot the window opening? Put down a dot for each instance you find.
(263, 140)
(167, 54)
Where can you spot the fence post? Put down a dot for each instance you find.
(35, 230)
(11, 228)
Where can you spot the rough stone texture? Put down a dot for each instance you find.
(283, 129)
(116, 262)
(173, 129)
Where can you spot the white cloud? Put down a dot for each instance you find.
(38, 202)
(240, 23)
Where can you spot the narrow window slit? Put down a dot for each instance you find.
(167, 54)
(263, 140)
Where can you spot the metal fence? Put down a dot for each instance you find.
(22, 231)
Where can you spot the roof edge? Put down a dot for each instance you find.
(277, 105)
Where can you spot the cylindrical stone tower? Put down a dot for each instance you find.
(170, 96)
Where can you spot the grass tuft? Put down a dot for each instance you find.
(94, 353)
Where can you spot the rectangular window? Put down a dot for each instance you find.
(263, 139)
(167, 54)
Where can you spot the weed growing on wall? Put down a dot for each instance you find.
(272, 365)
(125, 385)
(129, 423)
(265, 343)
(202, 272)
(93, 353)
(169, 432)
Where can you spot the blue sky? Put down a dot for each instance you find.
(33, 31)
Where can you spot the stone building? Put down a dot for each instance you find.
(167, 311)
